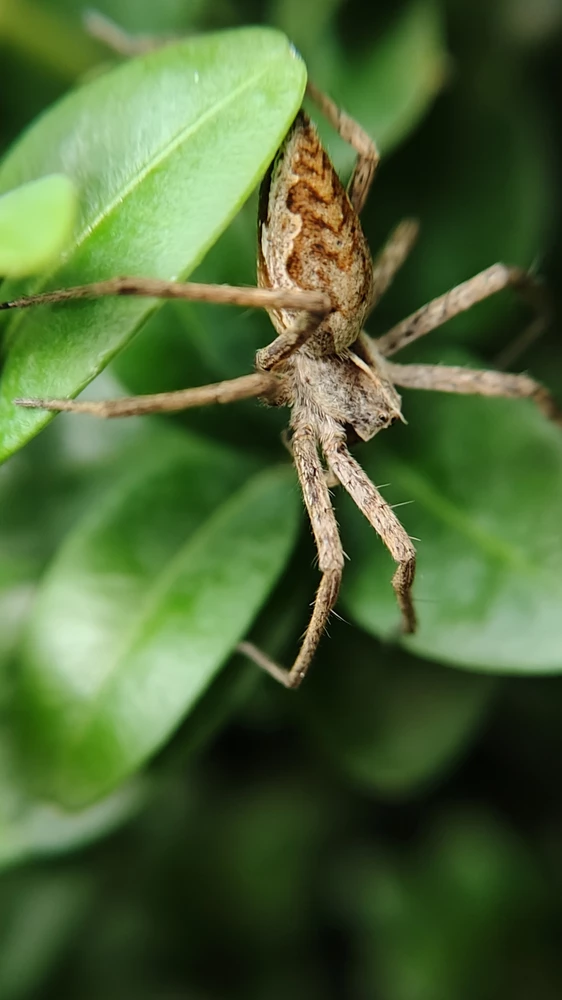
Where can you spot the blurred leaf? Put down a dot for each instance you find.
(47, 39)
(263, 839)
(486, 196)
(308, 26)
(40, 914)
(388, 86)
(44, 489)
(30, 828)
(144, 17)
(390, 89)
(391, 723)
(153, 198)
(143, 605)
(448, 924)
(485, 478)
(36, 223)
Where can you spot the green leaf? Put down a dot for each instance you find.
(31, 828)
(145, 602)
(45, 489)
(390, 86)
(488, 197)
(484, 481)
(163, 151)
(392, 723)
(36, 223)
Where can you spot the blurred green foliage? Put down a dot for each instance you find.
(393, 831)
(25, 246)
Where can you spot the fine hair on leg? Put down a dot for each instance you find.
(312, 478)
(258, 384)
(473, 382)
(245, 387)
(383, 519)
(437, 312)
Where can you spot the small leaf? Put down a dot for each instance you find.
(145, 602)
(163, 151)
(392, 723)
(36, 222)
(485, 478)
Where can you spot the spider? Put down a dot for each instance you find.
(318, 283)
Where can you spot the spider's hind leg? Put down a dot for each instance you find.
(312, 478)
(383, 519)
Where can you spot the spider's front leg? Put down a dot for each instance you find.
(330, 556)
(314, 306)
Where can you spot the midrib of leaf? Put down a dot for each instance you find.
(433, 501)
(153, 597)
(122, 194)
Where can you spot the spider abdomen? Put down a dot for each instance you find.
(310, 237)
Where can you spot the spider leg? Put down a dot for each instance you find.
(276, 353)
(437, 312)
(470, 381)
(189, 291)
(115, 38)
(383, 519)
(353, 133)
(246, 387)
(330, 556)
(313, 304)
(390, 259)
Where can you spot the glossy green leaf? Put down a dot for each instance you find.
(145, 602)
(391, 723)
(163, 151)
(483, 479)
(36, 223)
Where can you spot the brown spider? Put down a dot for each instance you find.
(318, 283)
